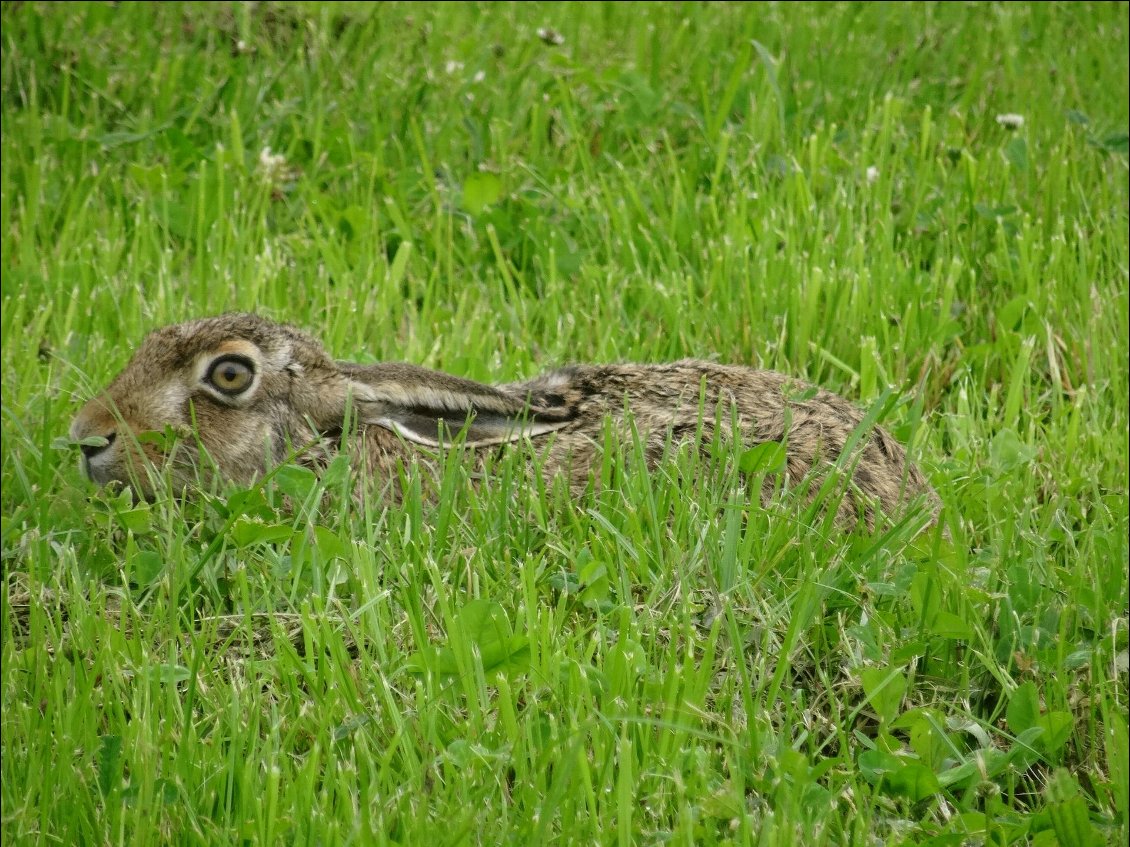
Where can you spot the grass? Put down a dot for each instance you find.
(822, 189)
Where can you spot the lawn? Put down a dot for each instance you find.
(922, 207)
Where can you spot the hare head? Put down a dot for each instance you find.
(244, 393)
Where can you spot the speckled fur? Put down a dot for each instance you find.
(301, 394)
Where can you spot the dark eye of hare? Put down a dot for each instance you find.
(231, 375)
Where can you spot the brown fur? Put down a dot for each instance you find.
(300, 397)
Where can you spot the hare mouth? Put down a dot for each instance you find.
(141, 469)
(101, 469)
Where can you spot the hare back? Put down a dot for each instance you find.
(692, 400)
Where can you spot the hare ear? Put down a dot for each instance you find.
(428, 407)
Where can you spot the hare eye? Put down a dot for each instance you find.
(231, 376)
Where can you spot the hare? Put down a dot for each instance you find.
(249, 392)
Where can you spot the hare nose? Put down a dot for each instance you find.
(92, 450)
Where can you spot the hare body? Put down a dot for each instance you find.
(246, 393)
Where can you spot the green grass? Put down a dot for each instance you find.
(822, 189)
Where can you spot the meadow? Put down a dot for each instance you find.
(923, 207)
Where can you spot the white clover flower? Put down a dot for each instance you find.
(872, 174)
(453, 66)
(479, 76)
(1009, 120)
(274, 168)
(271, 162)
(551, 36)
